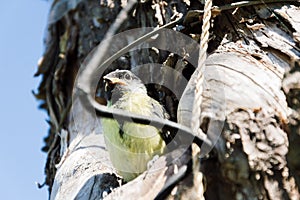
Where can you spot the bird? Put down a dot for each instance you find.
(131, 145)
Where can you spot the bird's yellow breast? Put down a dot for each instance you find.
(136, 103)
(135, 145)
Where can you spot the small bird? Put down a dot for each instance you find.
(130, 145)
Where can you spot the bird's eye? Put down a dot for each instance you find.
(127, 76)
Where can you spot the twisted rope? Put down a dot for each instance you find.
(195, 123)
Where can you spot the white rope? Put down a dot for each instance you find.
(195, 122)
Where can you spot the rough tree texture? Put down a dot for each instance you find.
(253, 66)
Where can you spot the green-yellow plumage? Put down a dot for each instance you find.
(130, 145)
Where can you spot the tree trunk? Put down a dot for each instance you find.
(250, 108)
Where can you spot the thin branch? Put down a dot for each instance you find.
(104, 111)
(95, 64)
(248, 3)
(216, 10)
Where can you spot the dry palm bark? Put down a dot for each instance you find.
(251, 97)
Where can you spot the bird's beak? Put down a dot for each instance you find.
(112, 81)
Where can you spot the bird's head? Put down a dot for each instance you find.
(124, 81)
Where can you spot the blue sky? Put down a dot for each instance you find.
(23, 126)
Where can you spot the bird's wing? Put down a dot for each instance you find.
(158, 110)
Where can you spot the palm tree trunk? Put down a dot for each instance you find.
(250, 109)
